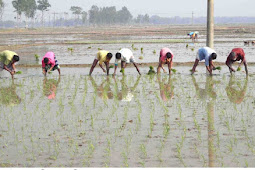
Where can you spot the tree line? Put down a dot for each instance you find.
(94, 16)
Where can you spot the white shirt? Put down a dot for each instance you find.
(126, 55)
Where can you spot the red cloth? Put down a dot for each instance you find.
(163, 53)
(51, 57)
(240, 55)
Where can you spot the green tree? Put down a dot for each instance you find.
(84, 17)
(77, 11)
(30, 8)
(93, 14)
(18, 6)
(124, 16)
(43, 5)
(2, 5)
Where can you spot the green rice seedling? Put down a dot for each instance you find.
(37, 57)
(141, 50)
(218, 68)
(192, 49)
(141, 57)
(238, 69)
(89, 47)
(151, 71)
(99, 49)
(70, 49)
(18, 72)
(111, 66)
(154, 52)
(187, 45)
(173, 70)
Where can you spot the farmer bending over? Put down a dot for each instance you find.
(103, 57)
(236, 54)
(166, 57)
(8, 60)
(207, 54)
(126, 56)
(50, 63)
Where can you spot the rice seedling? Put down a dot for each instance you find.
(99, 49)
(141, 57)
(218, 68)
(70, 50)
(187, 45)
(192, 49)
(151, 71)
(154, 52)
(18, 72)
(37, 57)
(238, 69)
(89, 47)
(173, 70)
(141, 50)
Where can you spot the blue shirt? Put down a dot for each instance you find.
(204, 54)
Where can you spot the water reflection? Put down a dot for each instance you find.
(208, 95)
(50, 87)
(235, 91)
(166, 87)
(8, 95)
(103, 90)
(126, 93)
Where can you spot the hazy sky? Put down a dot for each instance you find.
(164, 8)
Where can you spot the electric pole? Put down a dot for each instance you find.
(192, 18)
(210, 24)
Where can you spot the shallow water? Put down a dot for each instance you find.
(134, 121)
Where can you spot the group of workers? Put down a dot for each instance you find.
(125, 56)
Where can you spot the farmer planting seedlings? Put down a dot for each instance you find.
(8, 60)
(207, 54)
(236, 54)
(103, 57)
(50, 63)
(166, 57)
(125, 56)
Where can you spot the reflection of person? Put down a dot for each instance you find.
(125, 56)
(103, 57)
(236, 54)
(126, 93)
(166, 57)
(104, 90)
(50, 87)
(8, 60)
(236, 95)
(166, 88)
(207, 91)
(50, 63)
(8, 96)
(207, 54)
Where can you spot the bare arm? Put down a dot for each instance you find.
(209, 69)
(137, 68)
(246, 68)
(107, 67)
(230, 67)
(115, 69)
(170, 63)
(44, 71)
(159, 66)
(102, 67)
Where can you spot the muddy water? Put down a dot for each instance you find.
(134, 121)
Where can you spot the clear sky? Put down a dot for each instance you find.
(164, 8)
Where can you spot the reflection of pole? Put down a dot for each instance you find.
(211, 133)
(210, 23)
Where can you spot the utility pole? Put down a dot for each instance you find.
(192, 17)
(210, 24)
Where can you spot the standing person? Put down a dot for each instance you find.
(236, 54)
(103, 57)
(166, 57)
(8, 60)
(126, 56)
(50, 63)
(207, 54)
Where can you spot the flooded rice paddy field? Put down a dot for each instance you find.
(85, 42)
(127, 121)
